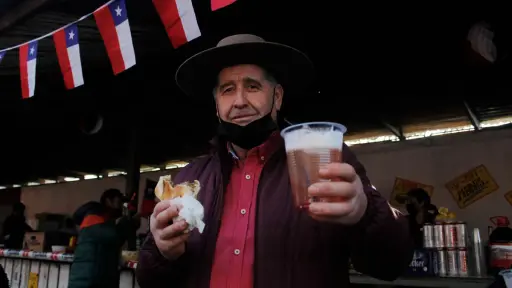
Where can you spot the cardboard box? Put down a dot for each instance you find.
(34, 241)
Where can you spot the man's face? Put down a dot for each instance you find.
(415, 202)
(115, 204)
(244, 94)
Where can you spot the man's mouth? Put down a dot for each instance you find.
(243, 117)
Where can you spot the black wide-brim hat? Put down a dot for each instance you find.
(291, 68)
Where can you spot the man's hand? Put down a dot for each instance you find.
(169, 238)
(347, 200)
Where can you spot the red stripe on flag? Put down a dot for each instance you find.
(108, 32)
(24, 71)
(62, 54)
(217, 4)
(170, 16)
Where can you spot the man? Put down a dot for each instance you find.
(15, 226)
(421, 211)
(254, 236)
(98, 249)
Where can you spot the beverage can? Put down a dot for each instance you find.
(439, 235)
(451, 262)
(450, 235)
(440, 264)
(462, 262)
(428, 236)
(461, 234)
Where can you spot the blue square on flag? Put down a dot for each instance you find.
(71, 33)
(32, 51)
(2, 54)
(118, 11)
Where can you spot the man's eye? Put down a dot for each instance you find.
(227, 90)
(253, 87)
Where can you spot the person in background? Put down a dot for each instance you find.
(15, 226)
(4, 280)
(127, 227)
(421, 211)
(98, 249)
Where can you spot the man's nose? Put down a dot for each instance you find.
(240, 98)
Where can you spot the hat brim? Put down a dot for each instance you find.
(291, 68)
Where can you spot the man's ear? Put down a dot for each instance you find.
(278, 96)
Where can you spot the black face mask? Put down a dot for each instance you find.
(250, 135)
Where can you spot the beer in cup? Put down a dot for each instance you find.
(310, 147)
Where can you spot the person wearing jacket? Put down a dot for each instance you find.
(98, 250)
(254, 235)
(15, 226)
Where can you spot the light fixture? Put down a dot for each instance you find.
(71, 179)
(115, 173)
(90, 176)
(175, 164)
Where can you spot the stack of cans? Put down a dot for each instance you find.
(448, 242)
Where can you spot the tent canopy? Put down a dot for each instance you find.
(378, 67)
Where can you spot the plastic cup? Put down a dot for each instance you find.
(309, 148)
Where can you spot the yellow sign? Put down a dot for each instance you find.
(402, 186)
(472, 186)
(33, 280)
(508, 196)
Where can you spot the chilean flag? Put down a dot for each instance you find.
(179, 19)
(112, 21)
(28, 61)
(217, 4)
(68, 53)
(2, 54)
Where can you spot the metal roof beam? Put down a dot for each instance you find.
(397, 131)
(472, 117)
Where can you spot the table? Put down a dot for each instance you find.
(448, 282)
(52, 270)
(49, 270)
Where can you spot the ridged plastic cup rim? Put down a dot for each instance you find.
(340, 127)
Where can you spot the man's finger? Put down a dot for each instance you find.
(173, 230)
(338, 170)
(333, 189)
(331, 209)
(176, 241)
(161, 206)
(165, 217)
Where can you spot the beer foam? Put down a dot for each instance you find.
(313, 139)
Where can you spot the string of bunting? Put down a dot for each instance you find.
(178, 17)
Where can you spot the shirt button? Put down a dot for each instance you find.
(243, 211)
(247, 176)
(262, 158)
(237, 251)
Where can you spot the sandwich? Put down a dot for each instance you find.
(185, 195)
(165, 189)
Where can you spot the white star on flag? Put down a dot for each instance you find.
(32, 50)
(1, 56)
(118, 11)
(71, 35)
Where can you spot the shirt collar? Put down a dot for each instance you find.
(263, 151)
